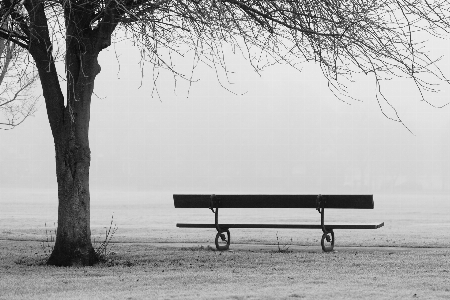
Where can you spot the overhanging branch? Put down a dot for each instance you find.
(253, 12)
(7, 35)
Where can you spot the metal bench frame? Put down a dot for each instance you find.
(327, 241)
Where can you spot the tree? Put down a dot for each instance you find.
(16, 79)
(344, 38)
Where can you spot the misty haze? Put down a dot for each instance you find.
(280, 132)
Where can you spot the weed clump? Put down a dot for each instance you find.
(104, 254)
(283, 248)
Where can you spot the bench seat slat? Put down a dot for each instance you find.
(273, 201)
(285, 226)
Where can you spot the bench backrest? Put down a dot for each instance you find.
(274, 201)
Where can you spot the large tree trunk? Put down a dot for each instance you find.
(73, 241)
(73, 238)
(73, 245)
(69, 121)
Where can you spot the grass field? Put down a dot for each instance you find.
(156, 271)
(150, 258)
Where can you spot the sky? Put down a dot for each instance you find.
(281, 131)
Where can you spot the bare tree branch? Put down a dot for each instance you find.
(16, 99)
(385, 38)
(16, 80)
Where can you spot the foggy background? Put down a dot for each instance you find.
(281, 132)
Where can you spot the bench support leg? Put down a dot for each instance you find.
(327, 241)
(223, 239)
(220, 231)
(327, 236)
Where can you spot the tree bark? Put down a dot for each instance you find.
(73, 156)
(73, 245)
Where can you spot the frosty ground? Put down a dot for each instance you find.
(409, 258)
(176, 271)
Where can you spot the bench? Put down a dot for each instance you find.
(318, 202)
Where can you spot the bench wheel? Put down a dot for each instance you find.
(222, 242)
(328, 241)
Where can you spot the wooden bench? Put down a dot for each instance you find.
(318, 202)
